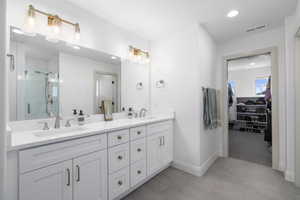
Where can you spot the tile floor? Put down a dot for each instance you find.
(227, 179)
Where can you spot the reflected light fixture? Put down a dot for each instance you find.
(76, 47)
(138, 55)
(18, 31)
(31, 16)
(233, 13)
(54, 24)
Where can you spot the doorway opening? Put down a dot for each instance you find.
(251, 108)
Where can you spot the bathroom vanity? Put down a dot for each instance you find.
(98, 161)
(56, 154)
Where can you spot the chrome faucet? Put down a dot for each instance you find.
(143, 112)
(57, 121)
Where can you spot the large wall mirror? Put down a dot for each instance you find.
(47, 79)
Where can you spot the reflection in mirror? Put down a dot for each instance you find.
(34, 82)
(106, 89)
(51, 78)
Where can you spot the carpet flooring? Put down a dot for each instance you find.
(250, 147)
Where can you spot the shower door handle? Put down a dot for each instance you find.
(28, 108)
(12, 62)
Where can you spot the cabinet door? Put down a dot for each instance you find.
(159, 151)
(49, 183)
(90, 176)
(154, 143)
(166, 149)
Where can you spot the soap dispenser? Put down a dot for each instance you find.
(81, 118)
(75, 112)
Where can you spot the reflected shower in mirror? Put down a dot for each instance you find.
(33, 85)
(56, 78)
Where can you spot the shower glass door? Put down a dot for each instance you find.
(40, 95)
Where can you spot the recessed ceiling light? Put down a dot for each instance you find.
(18, 31)
(114, 57)
(252, 64)
(233, 13)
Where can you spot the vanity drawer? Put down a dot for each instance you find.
(137, 132)
(138, 172)
(118, 137)
(118, 183)
(159, 127)
(138, 150)
(43, 156)
(118, 157)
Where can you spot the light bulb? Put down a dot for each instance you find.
(77, 32)
(56, 29)
(31, 21)
(54, 23)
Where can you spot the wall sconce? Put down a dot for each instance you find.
(138, 55)
(54, 24)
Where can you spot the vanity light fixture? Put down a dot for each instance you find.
(138, 55)
(54, 24)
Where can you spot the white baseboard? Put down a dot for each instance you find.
(289, 176)
(194, 169)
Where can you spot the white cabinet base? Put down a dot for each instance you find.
(142, 182)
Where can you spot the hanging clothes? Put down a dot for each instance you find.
(268, 95)
(230, 95)
(268, 98)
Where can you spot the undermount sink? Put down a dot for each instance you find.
(62, 130)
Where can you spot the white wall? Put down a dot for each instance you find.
(245, 80)
(250, 43)
(185, 61)
(77, 86)
(131, 75)
(3, 96)
(292, 24)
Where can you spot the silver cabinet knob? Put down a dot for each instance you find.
(120, 157)
(120, 183)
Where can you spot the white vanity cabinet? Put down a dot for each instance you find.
(53, 182)
(159, 146)
(82, 175)
(98, 167)
(82, 178)
(90, 176)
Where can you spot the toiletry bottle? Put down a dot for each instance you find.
(80, 118)
(75, 112)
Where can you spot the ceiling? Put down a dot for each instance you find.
(154, 19)
(253, 62)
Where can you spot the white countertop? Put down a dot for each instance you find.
(28, 139)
